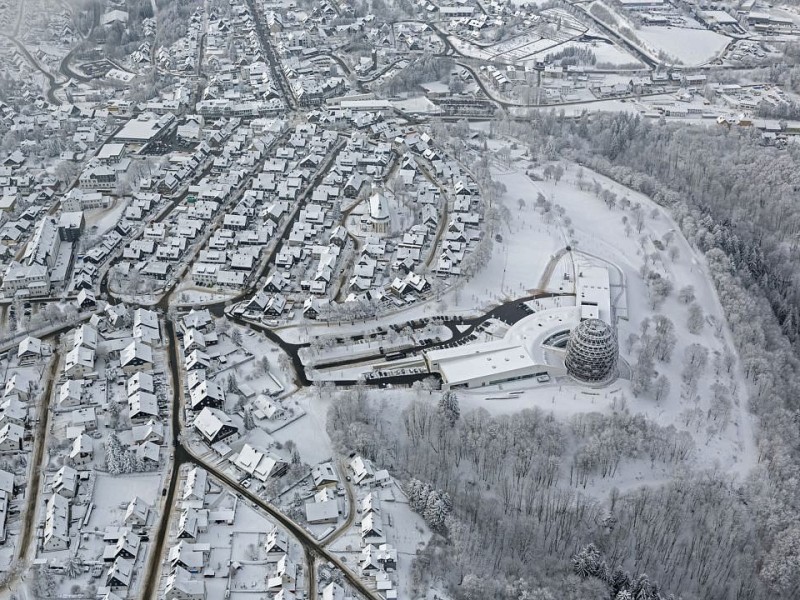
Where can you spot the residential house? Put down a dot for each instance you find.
(65, 482)
(82, 450)
(56, 524)
(215, 426)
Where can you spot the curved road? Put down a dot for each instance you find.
(51, 80)
(184, 455)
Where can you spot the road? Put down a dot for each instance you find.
(33, 487)
(278, 75)
(351, 507)
(51, 80)
(185, 455)
(179, 457)
(67, 71)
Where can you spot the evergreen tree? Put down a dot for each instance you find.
(114, 454)
(448, 406)
(586, 563)
(249, 422)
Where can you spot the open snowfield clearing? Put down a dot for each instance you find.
(106, 218)
(611, 54)
(418, 104)
(115, 493)
(309, 432)
(691, 46)
(518, 262)
(407, 532)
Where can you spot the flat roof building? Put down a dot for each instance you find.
(593, 291)
(521, 354)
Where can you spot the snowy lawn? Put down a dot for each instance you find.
(691, 46)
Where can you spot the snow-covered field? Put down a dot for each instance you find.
(611, 54)
(106, 218)
(309, 433)
(418, 104)
(582, 107)
(605, 53)
(690, 46)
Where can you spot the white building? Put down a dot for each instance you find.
(56, 524)
(27, 280)
(181, 586)
(523, 353)
(378, 212)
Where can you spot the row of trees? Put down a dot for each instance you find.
(121, 460)
(433, 505)
(609, 439)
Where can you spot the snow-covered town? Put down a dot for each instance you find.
(399, 299)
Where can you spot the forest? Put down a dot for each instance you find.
(506, 510)
(517, 524)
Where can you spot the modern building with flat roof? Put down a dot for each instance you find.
(145, 128)
(536, 344)
(593, 291)
(523, 353)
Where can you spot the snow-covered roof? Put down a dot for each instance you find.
(180, 585)
(211, 422)
(378, 207)
(136, 352)
(196, 483)
(137, 510)
(121, 572)
(140, 381)
(30, 346)
(6, 482)
(148, 318)
(86, 336)
(324, 474)
(255, 462)
(206, 391)
(143, 404)
(185, 554)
